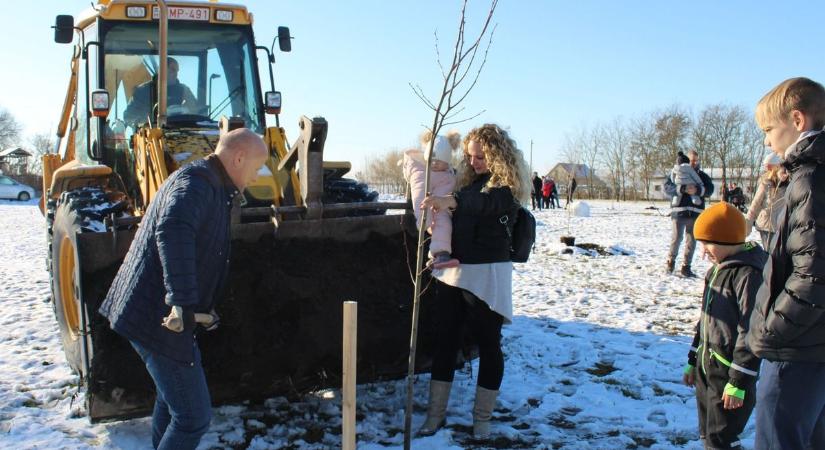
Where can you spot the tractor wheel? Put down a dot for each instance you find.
(24, 196)
(66, 295)
(77, 211)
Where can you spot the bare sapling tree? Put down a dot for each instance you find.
(672, 129)
(725, 125)
(754, 151)
(41, 144)
(702, 139)
(614, 156)
(571, 148)
(642, 136)
(9, 129)
(592, 154)
(460, 76)
(383, 171)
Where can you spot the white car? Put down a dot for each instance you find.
(14, 190)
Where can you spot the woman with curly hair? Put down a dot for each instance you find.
(493, 182)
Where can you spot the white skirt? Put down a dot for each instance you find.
(491, 282)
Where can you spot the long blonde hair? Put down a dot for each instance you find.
(504, 160)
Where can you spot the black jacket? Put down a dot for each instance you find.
(179, 257)
(788, 323)
(537, 183)
(478, 234)
(727, 303)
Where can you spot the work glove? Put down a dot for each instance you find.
(213, 325)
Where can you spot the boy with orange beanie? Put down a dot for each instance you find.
(719, 365)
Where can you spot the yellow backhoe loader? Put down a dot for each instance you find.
(150, 82)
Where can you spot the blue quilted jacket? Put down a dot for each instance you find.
(179, 257)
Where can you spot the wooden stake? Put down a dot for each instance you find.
(348, 389)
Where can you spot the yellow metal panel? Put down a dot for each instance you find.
(116, 10)
(276, 141)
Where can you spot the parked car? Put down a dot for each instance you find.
(13, 190)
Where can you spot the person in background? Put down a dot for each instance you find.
(763, 213)
(178, 261)
(554, 195)
(720, 365)
(145, 96)
(682, 218)
(546, 190)
(493, 181)
(535, 193)
(787, 328)
(571, 189)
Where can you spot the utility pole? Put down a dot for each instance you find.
(531, 156)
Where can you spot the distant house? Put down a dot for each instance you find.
(562, 172)
(14, 161)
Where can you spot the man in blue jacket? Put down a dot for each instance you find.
(684, 215)
(179, 258)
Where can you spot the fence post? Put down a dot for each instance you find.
(348, 400)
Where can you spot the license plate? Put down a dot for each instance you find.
(183, 13)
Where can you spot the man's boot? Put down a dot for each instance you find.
(670, 266)
(686, 272)
(483, 412)
(436, 408)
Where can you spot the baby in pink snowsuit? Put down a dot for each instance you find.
(442, 182)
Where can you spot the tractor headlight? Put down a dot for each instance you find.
(136, 12)
(223, 15)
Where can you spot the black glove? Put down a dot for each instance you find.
(188, 319)
(212, 326)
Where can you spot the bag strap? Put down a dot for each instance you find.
(504, 220)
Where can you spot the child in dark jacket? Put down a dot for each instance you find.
(720, 366)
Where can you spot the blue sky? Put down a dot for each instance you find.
(554, 67)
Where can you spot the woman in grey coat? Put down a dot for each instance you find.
(764, 210)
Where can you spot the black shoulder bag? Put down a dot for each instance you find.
(523, 236)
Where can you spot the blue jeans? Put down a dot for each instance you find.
(790, 402)
(182, 406)
(682, 227)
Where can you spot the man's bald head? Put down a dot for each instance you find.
(242, 153)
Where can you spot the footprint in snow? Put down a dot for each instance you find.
(658, 417)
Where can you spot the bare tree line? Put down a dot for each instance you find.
(632, 153)
(11, 135)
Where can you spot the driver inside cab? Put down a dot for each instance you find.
(179, 98)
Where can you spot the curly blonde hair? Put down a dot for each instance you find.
(504, 160)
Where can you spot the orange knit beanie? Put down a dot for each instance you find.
(722, 224)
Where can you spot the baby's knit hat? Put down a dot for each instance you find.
(441, 149)
(681, 158)
(722, 224)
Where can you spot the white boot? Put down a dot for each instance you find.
(483, 412)
(436, 407)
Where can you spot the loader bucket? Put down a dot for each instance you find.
(281, 312)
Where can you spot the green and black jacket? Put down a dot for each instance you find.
(727, 302)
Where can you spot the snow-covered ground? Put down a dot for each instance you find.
(593, 357)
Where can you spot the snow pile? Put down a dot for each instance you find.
(580, 209)
(593, 357)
